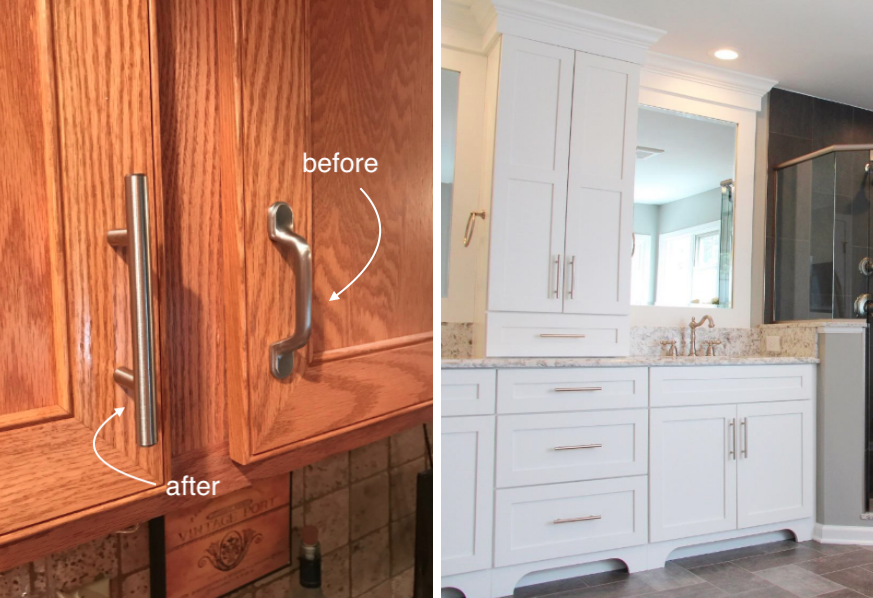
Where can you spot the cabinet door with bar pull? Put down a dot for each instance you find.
(307, 373)
(78, 306)
(775, 466)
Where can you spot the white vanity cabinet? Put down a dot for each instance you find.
(467, 475)
(563, 193)
(739, 465)
(576, 465)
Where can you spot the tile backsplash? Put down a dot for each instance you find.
(363, 502)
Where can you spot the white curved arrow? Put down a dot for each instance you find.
(336, 295)
(118, 412)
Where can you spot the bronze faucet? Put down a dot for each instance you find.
(694, 325)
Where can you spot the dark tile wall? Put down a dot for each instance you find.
(801, 124)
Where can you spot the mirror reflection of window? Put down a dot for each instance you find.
(683, 210)
(449, 125)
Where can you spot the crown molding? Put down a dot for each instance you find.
(703, 81)
(560, 24)
(474, 28)
(468, 28)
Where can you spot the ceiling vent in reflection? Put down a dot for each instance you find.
(644, 153)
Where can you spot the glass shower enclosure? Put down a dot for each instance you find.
(822, 234)
(822, 267)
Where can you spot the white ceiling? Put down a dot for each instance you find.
(698, 155)
(817, 47)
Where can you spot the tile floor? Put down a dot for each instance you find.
(776, 570)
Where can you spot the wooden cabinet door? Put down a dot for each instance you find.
(776, 462)
(467, 443)
(601, 186)
(692, 471)
(321, 77)
(76, 111)
(530, 176)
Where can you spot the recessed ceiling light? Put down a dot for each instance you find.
(726, 54)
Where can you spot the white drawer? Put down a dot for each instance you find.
(571, 389)
(511, 334)
(567, 447)
(713, 385)
(530, 522)
(467, 392)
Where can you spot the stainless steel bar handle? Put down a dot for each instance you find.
(577, 446)
(281, 227)
(745, 425)
(732, 441)
(575, 519)
(580, 389)
(572, 276)
(558, 276)
(562, 336)
(141, 380)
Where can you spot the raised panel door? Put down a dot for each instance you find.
(76, 109)
(299, 78)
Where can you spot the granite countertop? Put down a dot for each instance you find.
(576, 362)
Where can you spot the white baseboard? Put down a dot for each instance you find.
(843, 534)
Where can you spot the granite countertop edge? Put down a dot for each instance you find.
(572, 362)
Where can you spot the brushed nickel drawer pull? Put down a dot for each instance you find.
(578, 446)
(281, 227)
(562, 336)
(575, 519)
(580, 389)
(141, 379)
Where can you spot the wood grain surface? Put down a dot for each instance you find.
(366, 81)
(194, 294)
(372, 96)
(77, 100)
(33, 368)
(211, 463)
(103, 71)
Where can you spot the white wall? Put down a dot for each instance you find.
(690, 211)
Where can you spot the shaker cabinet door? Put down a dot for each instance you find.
(467, 443)
(601, 185)
(692, 471)
(305, 370)
(775, 466)
(77, 116)
(530, 177)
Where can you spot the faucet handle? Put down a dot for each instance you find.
(710, 347)
(672, 351)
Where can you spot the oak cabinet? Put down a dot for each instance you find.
(213, 104)
(77, 116)
(291, 90)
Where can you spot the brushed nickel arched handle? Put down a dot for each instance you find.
(141, 380)
(281, 227)
(471, 225)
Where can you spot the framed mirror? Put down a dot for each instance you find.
(694, 201)
(683, 210)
